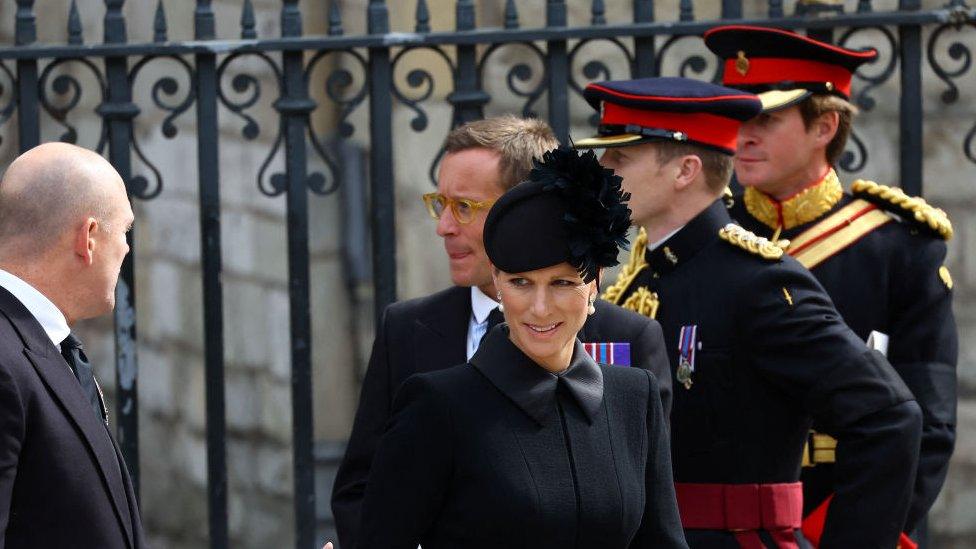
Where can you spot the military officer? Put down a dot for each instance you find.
(756, 348)
(879, 253)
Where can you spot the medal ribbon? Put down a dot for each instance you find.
(686, 346)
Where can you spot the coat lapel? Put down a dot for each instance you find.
(59, 380)
(441, 333)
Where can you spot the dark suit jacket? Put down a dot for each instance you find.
(501, 453)
(62, 479)
(430, 333)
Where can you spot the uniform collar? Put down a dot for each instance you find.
(481, 305)
(686, 242)
(530, 386)
(46, 312)
(803, 207)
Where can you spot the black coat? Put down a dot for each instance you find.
(501, 453)
(774, 354)
(63, 482)
(430, 333)
(889, 281)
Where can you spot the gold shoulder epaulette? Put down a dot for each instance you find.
(634, 266)
(748, 241)
(895, 200)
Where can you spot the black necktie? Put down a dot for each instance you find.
(74, 354)
(495, 317)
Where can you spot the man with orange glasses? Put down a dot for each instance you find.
(878, 252)
(482, 160)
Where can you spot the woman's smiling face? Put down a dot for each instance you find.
(545, 309)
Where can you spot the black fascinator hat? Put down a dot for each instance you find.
(571, 209)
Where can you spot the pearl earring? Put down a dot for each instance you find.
(501, 308)
(592, 308)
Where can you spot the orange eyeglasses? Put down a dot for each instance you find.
(464, 210)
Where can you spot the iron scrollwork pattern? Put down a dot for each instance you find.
(963, 57)
(70, 90)
(520, 75)
(693, 66)
(337, 89)
(855, 157)
(8, 96)
(249, 86)
(165, 94)
(422, 80)
(595, 69)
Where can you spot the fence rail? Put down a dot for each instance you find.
(40, 87)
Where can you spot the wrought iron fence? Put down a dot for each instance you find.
(644, 44)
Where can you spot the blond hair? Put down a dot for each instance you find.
(516, 140)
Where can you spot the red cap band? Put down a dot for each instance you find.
(770, 70)
(709, 129)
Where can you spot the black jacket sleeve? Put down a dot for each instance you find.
(411, 471)
(371, 418)
(651, 354)
(852, 393)
(924, 349)
(12, 424)
(660, 526)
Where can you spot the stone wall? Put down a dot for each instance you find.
(168, 279)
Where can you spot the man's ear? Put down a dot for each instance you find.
(83, 241)
(825, 127)
(687, 169)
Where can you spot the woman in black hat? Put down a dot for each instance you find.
(532, 444)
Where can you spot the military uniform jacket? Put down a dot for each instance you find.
(501, 453)
(771, 352)
(429, 333)
(892, 280)
(62, 479)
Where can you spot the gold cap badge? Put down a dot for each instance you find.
(741, 63)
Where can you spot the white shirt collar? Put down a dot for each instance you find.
(47, 313)
(481, 305)
(653, 246)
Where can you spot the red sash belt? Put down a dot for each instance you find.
(743, 509)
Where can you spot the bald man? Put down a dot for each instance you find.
(64, 215)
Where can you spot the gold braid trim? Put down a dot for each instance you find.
(923, 212)
(643, 301)
(748, 241)
(801, 208)
(634, 266)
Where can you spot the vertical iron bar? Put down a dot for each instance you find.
(294, 106)
(814, 9)
(910, 144)
(118, 112)
(644, 56)
(731, 9)
(557, 67)
(467, 98)
(381, 161)
(910, 111)
(28, 110)
(208, 173)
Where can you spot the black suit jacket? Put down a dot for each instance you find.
(62, 479)
(501, 453)
(430, 333)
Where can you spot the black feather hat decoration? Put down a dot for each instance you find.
(596, 217)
